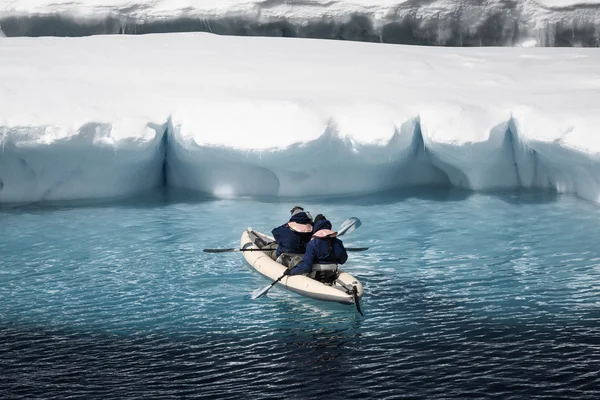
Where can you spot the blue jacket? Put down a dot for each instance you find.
(328, 250)
(290, 240)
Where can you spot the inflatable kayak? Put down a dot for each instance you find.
(326, 281)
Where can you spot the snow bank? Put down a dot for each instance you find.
(437, 22)
(111, 115)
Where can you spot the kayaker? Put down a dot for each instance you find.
(323, 248)
(293, 236)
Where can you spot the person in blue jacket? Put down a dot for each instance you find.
(293, 236)
(324, 247)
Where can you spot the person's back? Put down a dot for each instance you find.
(324, 247)
(293, 236)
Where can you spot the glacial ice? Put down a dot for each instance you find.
(107, 116)
(438, 22)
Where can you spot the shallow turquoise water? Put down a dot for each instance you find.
(466, 295)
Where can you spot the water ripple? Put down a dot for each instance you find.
(492, 301)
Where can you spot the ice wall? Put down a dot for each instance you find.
(421, 152)
(110, 116)
(438, 22)
(39, 163)
(329, 163)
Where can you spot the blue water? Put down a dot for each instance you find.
(466, 296)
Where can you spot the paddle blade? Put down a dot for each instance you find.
(357, 248)
(260, 292)
(349, 225)
(220, 250)
(357, 300)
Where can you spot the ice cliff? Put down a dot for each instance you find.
(106, 116)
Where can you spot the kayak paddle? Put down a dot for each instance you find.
(261, 292)
(348, 226)
(233, 250)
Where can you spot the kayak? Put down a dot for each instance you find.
(326, 282)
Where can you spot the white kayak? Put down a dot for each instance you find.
(337, 285)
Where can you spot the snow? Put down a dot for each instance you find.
(107, 116)
(308, 8)
(437, 22)
(566, 3)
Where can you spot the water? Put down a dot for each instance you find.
(466, 296)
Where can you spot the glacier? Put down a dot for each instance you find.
(438, 22)
(109, 116)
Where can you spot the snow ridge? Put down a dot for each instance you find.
(438, 22)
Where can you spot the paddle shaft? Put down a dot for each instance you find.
(348, 226)
(232, 250)
(278, 279)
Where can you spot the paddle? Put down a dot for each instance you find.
(261, 292)
(348, 226)
(233, 250)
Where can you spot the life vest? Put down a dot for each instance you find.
(325, 234)
(300, 228)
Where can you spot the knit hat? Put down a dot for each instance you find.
(319, 218)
